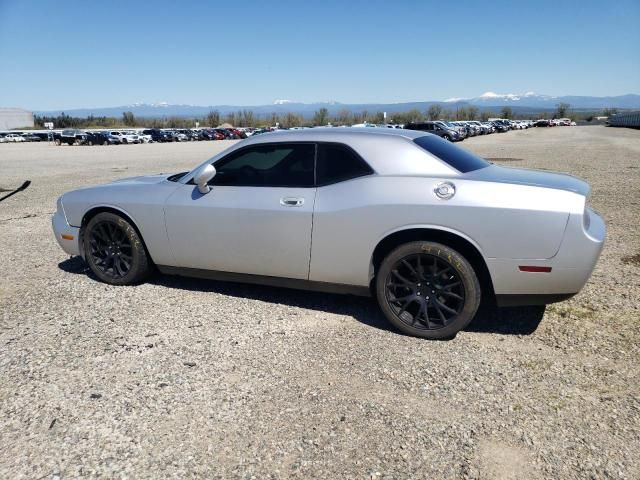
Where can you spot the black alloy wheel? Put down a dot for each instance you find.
(111, 249)
(424, 291)
(427, 290)
(114, 251)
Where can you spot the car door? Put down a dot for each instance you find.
(257, 217)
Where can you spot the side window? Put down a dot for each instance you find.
(270, 165)
(337, 163)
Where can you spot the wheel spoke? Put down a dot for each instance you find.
(419, 267)
(442, 317)
(450, 286)
(411, 269)
(405, 298)
(107, 232)
(401, 278)
(118, 266)
(404, 306)
(98, 235)
(423, 309)
(448, 309)
(397, 285)
(452, 295)
(126, 264)
(442, 272)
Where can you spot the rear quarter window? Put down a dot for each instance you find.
(458, 158)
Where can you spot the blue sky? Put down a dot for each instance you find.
(68, 54)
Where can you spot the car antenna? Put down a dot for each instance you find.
(19, 189)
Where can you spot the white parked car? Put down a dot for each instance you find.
(144, 138)
(125, 137)
(13, 137)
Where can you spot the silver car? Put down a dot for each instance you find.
(427, 228)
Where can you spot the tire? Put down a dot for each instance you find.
(423, 302)
(125, 141)
(447, 138)
(90, 143)
(57, 142)
(114, 250)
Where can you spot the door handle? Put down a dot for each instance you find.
(291, 201)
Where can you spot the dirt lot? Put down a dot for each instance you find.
(184, 378)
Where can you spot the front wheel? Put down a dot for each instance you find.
(427, 290)
(114, 250)
(447, 138)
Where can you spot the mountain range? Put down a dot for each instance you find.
(520, 103)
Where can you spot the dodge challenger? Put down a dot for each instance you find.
(427, 228)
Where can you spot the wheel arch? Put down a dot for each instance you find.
(95, 210)
(456, 240)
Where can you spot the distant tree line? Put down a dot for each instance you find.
(248, 118)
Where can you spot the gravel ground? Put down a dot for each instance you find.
(191, 378)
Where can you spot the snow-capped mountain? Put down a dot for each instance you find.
(528, 102)
(532, 99)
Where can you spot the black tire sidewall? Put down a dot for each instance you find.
(141, 265)
(463, 269)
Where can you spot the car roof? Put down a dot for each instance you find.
(337, 134)
(389, 151)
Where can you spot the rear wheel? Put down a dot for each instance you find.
(427, 290)
(114, 250)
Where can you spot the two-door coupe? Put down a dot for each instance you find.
(426, 227)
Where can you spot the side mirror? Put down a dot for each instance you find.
(203, 176)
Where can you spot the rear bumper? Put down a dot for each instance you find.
(571, 267)
(68, 237)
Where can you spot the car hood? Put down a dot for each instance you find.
(534, 178)
(144, 179)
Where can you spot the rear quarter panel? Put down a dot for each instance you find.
(502, 220)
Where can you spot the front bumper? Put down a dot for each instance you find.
(571, 267)
(68, 237)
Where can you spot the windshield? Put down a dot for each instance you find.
(459, 158)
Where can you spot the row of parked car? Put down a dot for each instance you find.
(454, 131)
(123, 137)
(459, 130)
(20, 137)
(120, 137)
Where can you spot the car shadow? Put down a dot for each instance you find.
(507, 320)
(504, 321)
